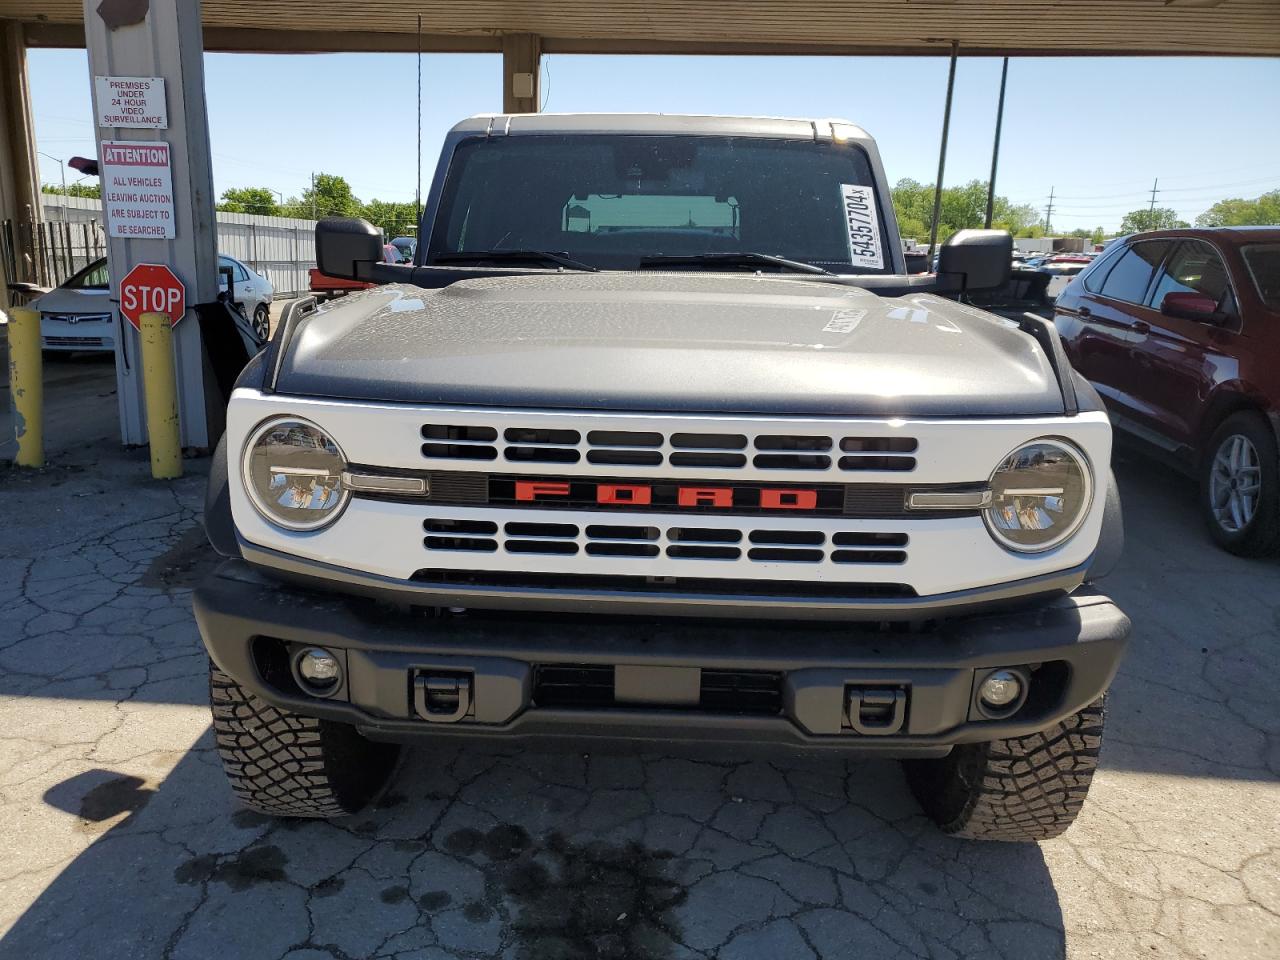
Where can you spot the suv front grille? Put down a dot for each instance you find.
(731, 543)
(678, 450)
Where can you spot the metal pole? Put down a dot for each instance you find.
(26, 386)
(160, 387)
(417, 192)
(995, 147)
(942, 150)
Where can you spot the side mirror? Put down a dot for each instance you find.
(344, 243)
(984, 258)
(1190, 306)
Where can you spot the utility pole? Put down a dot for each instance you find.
(942, 150)
(63, 165)
(1155, 187)
(1048, 212)
(995, 147)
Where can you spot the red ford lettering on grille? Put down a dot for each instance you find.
(642, 494)
(533, 489)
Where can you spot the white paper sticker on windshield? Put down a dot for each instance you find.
(864, 225)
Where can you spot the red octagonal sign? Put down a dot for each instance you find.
(152, 288)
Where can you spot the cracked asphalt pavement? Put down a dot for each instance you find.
(121, 839)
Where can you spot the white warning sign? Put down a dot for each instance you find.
(131, 102)
(137, 189)
(863, 222)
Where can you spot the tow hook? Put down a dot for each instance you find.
(875, 711)
(441, 697)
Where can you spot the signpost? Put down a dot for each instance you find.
(137, 189)
(152, 288)
(131, 102)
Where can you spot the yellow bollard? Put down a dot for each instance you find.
(26, 385)
(161, 388)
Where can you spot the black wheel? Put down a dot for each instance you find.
(1021, 789)
(1240, 486)
(262, 323)
(288, 765)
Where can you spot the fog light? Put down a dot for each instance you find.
(319, 669)
(999, 689)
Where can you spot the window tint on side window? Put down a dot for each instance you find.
(1096, 272)
(1195, 267)
(1130, 277)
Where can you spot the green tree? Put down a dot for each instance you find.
(1099, 234)
(1240, 213)
(395, 217)
(1161, 218)
(257, 200)
(963, 207)
(328, 196)
(91, 190)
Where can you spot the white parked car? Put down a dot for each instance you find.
(78, 314)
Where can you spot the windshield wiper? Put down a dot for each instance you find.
(513, 256)
(743, 258)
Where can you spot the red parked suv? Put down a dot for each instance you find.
(1179, 330)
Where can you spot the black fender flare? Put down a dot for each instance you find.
(1107, 554)
(218, 525)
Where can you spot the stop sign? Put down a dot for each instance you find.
(152, 288)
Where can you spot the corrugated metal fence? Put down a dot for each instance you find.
(280, 248)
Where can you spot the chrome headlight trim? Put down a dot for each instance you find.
(1081, 460)
(263, 510)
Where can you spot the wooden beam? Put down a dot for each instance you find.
(521, 73)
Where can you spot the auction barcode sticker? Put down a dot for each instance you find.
(863, 221)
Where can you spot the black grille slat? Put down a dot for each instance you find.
(474, 544)
(803, 538)
(451, 525)
(709, 441)
(790, 442)
(458, 451)
(615, 532)
(704, 535)
(699, 551)
(784, 555)
(714, 460)
(615, 549)
(572, 685)
(791, 461)
(530, 435)
(877, 463)
(741, 691)
(521, 529)
(850, 538)
(869, 556)
(624, 438)
(879, 444)
(559, 548)
(542, 455)
(625, 458)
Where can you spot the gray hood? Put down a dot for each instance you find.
(62, 300)
(683, 342)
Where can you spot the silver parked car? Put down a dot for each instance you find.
(78, 314)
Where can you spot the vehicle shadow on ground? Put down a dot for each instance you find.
(539, 855)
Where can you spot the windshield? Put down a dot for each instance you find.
(92, 277)
(1264, 265)
(614, 200)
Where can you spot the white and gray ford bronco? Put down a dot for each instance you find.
(657, 440)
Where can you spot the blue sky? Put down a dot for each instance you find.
(1098, 131)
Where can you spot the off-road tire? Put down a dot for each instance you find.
(287, 765)
(1020, 789)
(1261, 537)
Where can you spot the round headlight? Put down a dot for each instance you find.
(293, 473)
(1040, 495)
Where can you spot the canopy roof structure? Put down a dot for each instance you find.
(886, 27)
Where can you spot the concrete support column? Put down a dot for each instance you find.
(521, 73)
(166, 41)
(19, 173)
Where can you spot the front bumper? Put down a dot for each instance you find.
(803, 685)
